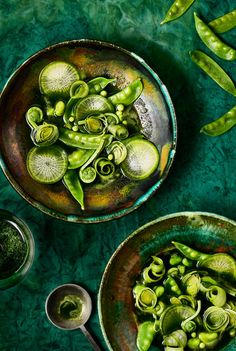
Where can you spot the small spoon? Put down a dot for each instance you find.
(52, 304)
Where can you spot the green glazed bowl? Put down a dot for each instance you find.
(205, 232)
(155, 112)
(27, 237)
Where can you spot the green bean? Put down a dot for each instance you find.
(146, 333)
(211, 40)
(81, 140)
(220, 125)
(129, 94)
(96, 85)
(214, 71)
(73, 184)
(178, 8)
(224, 23)
(98, 150)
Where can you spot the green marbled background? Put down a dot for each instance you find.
(202, 177)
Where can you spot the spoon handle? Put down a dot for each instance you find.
(90, 338)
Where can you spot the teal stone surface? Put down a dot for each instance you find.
(202, 177)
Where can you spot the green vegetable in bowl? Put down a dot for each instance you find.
(190, 310)
(89, 130)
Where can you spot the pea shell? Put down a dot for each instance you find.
(73, 184)
(213, 70)
(221, 125)
(224, 23)
(177, 9)
(213, 42)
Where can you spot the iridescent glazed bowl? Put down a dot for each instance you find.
(155, 112)
(205, 232)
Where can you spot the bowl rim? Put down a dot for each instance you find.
(129, 237)
(144, 197)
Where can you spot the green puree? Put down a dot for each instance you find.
(12, 249)
(70, 307)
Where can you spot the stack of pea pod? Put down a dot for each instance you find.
(209, 35)
(81, 134)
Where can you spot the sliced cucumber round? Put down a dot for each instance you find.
(56, 79)
(47, 164)
(220, 264)
(142, 159)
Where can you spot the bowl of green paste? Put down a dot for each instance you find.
(16, 249)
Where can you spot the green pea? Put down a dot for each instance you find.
(221, 125)
(224, 23)
(75, 128)
(213, 70)
(177, 9)
(120, 107)
(103, 93)
(211, 40)
(71, 119)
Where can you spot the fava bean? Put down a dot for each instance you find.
(213, 70)
(178, 8)
(59, 108)
(146, 333)
(224, 23)
(220, 125)
(214, 43)
(129, 94)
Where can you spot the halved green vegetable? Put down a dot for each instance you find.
(47, 164)
(92, 104)
(56, 79)
(142, 159)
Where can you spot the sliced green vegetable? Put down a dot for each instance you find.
(45, 135)
(92, 104)
(142, 159)
(56, 78)
(47, 164)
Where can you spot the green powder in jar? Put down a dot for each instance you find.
(13, 249)
(70, 307)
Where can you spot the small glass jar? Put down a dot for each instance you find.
(16, 243)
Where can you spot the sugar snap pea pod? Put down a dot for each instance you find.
(97, 84)
(177, 9)
(105, 169)
(146, 333)
(79, 89)
(177, 338)
(77, 158)
(171, 284)
(215, 319)
(189, 252)
(224, 23)
(213, 70)
(81, 140)
(73, 184)
(214, 43)
(129, 94)
(99, 149)
(220, 125)
(88, 174)
(69, 109)
(216, 295)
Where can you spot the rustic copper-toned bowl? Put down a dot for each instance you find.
(154, 109)
(205, 232)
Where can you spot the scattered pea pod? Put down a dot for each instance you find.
(224, 23)
(213, 70)
(220, 125)
(214, 43)
(177, 9)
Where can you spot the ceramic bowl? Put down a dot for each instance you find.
(28, 239)
(155, 112)
(203, 231)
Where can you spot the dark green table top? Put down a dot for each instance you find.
(202, 177)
